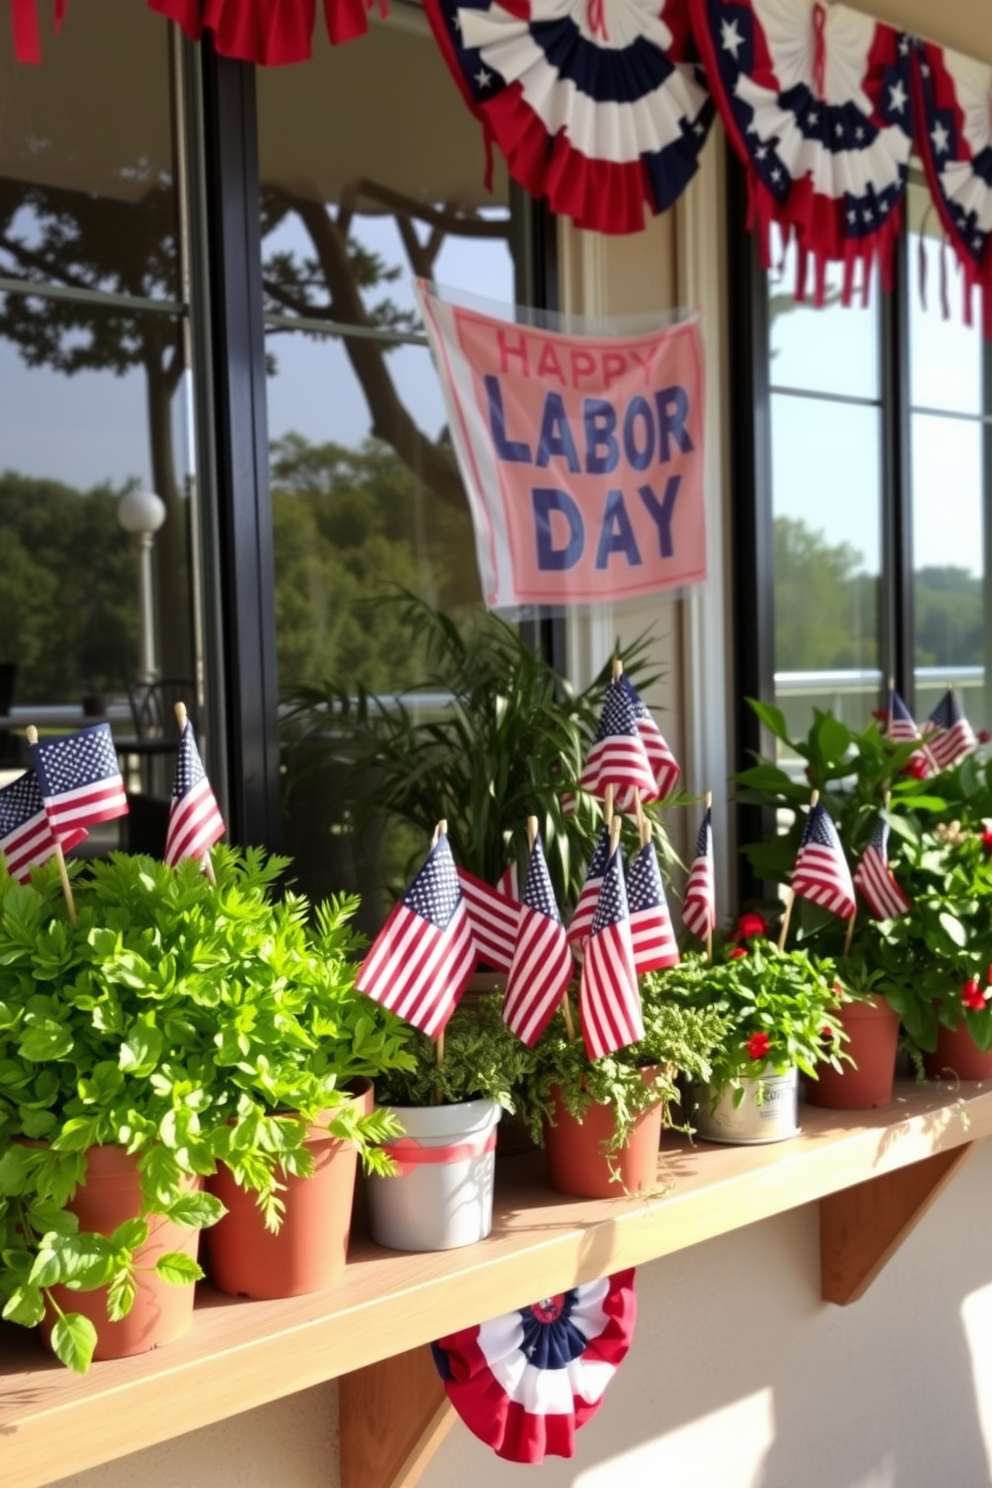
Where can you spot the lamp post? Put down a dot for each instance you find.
(141, 513)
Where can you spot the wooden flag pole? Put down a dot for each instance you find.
(70, 903)
(617, 668)
(608, 805)
(814, 798)
(850, 934)
(708, 806)
(639, 814)
(182, 719)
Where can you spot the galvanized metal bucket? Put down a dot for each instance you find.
(766, 1111)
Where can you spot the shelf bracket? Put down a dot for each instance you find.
(861, 1227)
(394, 1416)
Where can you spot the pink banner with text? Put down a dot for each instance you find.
(581, 456)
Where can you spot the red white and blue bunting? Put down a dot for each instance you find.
(525, 1383)
(817, 102)
(954, 139)
(598, 107)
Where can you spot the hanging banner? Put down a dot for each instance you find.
(581, 456)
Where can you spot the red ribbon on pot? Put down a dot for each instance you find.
(409, 1154)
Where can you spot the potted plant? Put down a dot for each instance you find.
(448, 1104)
(779, 1010)
(600, 1120)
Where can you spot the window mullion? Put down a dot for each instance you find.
(898, 647)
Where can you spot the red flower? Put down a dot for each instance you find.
(987, 839)
(882, 714)
(916, 766)
(972, 996)
(983, 736)
(808, 772)
(826, 1032)
(737, 953)
(758, 1045)
(750, 924)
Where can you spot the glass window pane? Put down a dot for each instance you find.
(946, 360)
(87, 183)
(948, 547)
(833, 349)
(827, 557)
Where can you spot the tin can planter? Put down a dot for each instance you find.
(161, 1312)
(765, 1111)
(578, 1163)
(442, 1197)
(872, 1030)
(957, 1055)
(308, 1252)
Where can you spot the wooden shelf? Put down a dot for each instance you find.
(242, 1354)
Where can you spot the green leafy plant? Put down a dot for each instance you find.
(491, 736)
(778, 1007)
(482, 1059)
(677, 1038)
(186, 1022)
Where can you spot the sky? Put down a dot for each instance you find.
(826, 470)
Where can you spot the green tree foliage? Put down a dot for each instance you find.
(948, 603)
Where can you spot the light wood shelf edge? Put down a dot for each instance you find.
(243, 1354)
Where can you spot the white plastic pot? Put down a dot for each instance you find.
(766, 1111)
(443, 1195)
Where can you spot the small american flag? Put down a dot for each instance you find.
(195, 822)
(660, 757)
(26, 836)
(902, 730)
(875, 878)
(618, 756)
(948, 733)
(495, 920)
(699, 900)
(542, 962)
(610, 1001)
(80, 779)
(821, 873)
(508, 883)
(580, 924)
(424, 955)
(650, 922)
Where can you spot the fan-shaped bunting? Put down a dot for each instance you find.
(817, 102)
(597, 106)
(954, 138)
(526, 1382)
(269, 32)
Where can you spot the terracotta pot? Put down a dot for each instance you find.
(577, 1163)
(161, 1312)
(957, 1054)
(873, 1038)
(308, 1253)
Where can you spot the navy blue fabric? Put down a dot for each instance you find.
(603, 73)
(441, 1363)
(552, 1345)
(971, 239)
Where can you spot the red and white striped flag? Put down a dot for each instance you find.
(495, 920)
(508, 883)
(660, 757)
(821, 873)
(618, 756)
(901, 729)
(699, 900)
(424, 955)
(651, 927)
(875, 878)
(26, 836)
(609, 998)
(80, 779)
(542, 963)
(580, 925)
(949, 735)
(195, 822)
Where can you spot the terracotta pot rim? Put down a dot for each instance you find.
(877, 1007)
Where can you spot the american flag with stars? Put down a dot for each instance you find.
(80, 779)
(699, 899)
(609, 998)
(949, 735)
(875, 878)
(580, 924)
(195, 822)
(651, 927)
(901, 729)
(425, 953)
(26, 836)
(618, 756)
(821, 873)
(495, 920)
(542, 962)
(660, 757)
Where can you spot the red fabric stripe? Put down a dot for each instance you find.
(27, 32)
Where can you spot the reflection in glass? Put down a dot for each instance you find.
(827, 556)
(833, 349)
